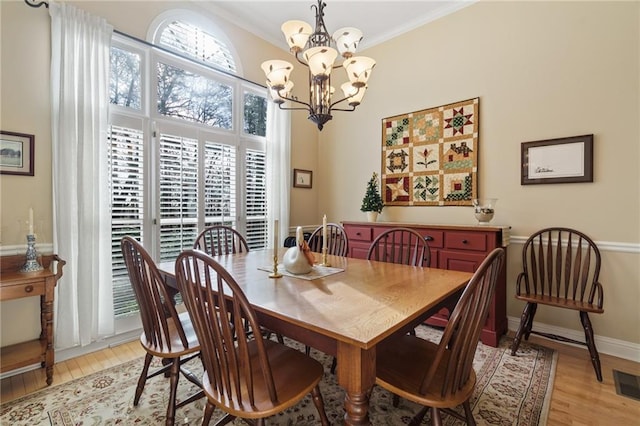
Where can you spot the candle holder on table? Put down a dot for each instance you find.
(325, 262)
(275, 273)
(32, 264)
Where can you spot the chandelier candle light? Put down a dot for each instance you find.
(319, 57)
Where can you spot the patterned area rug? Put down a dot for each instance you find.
(510, 391)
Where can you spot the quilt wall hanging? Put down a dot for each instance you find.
(430, 157)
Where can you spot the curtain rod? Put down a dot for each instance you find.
(163, 49)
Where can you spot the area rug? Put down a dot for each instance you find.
(511, 390)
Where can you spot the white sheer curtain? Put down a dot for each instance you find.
(278, 170)
(80, 47)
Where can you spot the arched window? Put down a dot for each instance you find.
(192, 41)
(187, 145)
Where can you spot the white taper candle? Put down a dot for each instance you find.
(324, 232)
(30, 221)
(275, 237)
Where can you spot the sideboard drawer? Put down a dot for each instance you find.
(465, 241)
(433, 237)
(22, 290)
(359, 233)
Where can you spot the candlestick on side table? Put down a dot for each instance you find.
(32, 264)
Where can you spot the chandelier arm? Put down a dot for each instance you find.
(300, 60)
(292, 108)
(338, 101)
(353, 108)
(344, 99)
(307, 105)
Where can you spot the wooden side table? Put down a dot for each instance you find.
(15, 285)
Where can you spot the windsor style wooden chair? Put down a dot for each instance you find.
(337, 241)
(166, 334)
(561, 267)
(440, 376)
(219, 239)
(246, 377)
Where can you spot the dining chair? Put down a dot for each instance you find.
(561, 267)
(166, 334)
(220, 239)
(250, 378)
(440, 375)
(400, 245)
(337, 245)
(337, 241)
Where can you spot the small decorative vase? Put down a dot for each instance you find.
(372, 216)
(484, 208)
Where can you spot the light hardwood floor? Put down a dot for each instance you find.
(577, 399)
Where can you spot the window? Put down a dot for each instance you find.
(186, 152)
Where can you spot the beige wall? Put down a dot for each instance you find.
(541, 70)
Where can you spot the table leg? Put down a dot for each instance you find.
(356, 375)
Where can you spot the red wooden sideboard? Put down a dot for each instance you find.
(457, 247)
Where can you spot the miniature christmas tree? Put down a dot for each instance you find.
(372, 202)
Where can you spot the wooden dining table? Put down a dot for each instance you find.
(346, 313)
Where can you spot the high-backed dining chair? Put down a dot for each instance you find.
(400, 245)
(561, 267)
(440, 376)
(337, 245)
(166, 334)
(220, 239)
(337, 242)
(250, 378)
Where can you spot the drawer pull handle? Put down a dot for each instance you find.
(357, 233)
(465, 242)
(428, 238)
(28, 289)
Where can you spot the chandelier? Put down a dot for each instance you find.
(314, 51)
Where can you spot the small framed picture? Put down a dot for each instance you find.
(16, 153)
(563, 160)
(302, 178)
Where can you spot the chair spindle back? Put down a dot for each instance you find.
(400, 245)
(460, 338)
(219, 240)
(156, 306)
(337, 242)
(563, 263)
(219, 311)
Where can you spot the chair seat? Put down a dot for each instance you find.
(176, 349)
(560, 302)
(402, 364)
(294, 375)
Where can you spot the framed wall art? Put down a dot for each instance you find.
(16, 153)
(430, 157)
(562, 160)
(302, 178)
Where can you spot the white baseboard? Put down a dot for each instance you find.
(605, 345)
